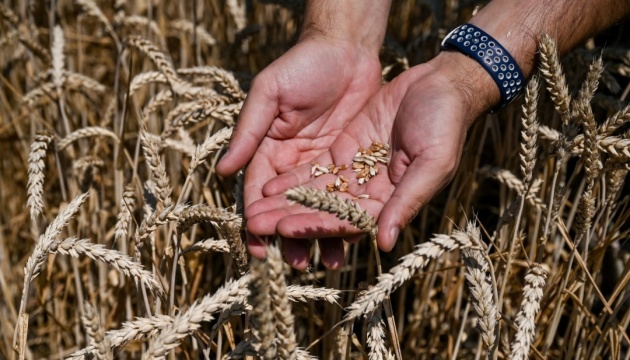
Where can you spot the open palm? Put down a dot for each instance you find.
(423, 118)
(295, 109)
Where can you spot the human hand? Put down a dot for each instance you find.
(424, 115)
(295, 109)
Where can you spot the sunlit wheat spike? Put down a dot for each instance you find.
(590, 154)
(331, 203)
(92, 9)
(194, 111)
(210, 145)
(262, 317)
(127, 207)
(208, 245)
(280, 305)
(187, 27)
(98, 252)
(58, 59)
(589, 86)
(44, 243)
(554, 77)
(529, 133)
(154, 219)
(160, 60)
(151, 149)
(204, 213)
(84, 132)
(304, 293)
(218, 75)
(409, 265)
(95, 332)
(614, 121)
(190, 320)
(36, 167)
(530, 306)
(376, 336)
(146, 78)
(481, 295)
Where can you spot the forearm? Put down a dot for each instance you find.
(518, 25)
(360, 22)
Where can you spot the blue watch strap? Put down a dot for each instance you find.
(477, 44)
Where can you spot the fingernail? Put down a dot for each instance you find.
(394, 233)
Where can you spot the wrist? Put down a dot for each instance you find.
(359, 24)
(477, 90)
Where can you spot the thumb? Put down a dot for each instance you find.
(258, 112)
(422, 179)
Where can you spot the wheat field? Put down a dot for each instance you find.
(119, 240)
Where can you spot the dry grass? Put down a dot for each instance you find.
(119, 240)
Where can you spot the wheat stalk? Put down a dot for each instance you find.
(530, 306)
(409, 265)
(204, 213)
(208, 245)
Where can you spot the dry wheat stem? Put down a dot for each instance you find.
(281, 305)
(409, 265)
(530, 306)
(36, 167)
(331, 203)
(481, 294)
(98, 252)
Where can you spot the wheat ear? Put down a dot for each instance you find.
(58, 59)
(86, 132)
(263, 321)
(98, 252)
(281, 305)
(331, 203)
(151, 149)
(481, 294)
(551, 71)
(210, 145)
(127, 207)
(36, 166)
(409, 265)
(530, 306)
(615, 121)
(376, 336)
(95, 333)
(304, 293)
(529, 134)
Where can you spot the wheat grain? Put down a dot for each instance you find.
(408, 266)
(36, 167)
(530, 306)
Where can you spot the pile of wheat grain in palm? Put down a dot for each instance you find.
(138, 249)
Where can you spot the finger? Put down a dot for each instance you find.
(297, 252)
(421, 180)
(258, 112)
(256, 246)
(332, 252)
(258, 172)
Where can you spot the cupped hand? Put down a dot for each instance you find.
(424, 114)
(295, 109)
